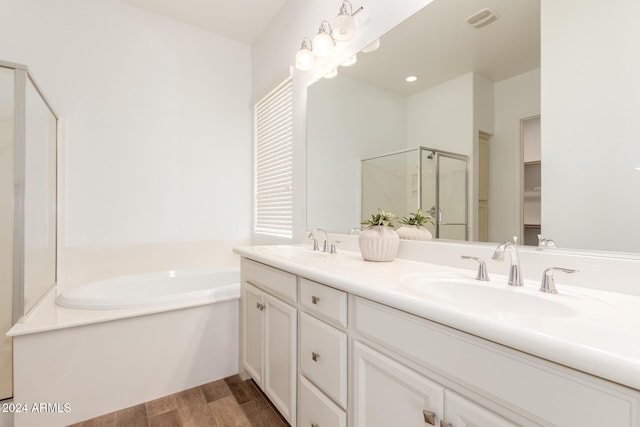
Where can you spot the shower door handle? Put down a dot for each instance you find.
(432, 212)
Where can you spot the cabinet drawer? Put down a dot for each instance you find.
(278, 282)
(317, 410)
(553, 393)
(323, 354)
(324, 301)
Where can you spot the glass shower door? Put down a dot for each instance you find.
(7, 119)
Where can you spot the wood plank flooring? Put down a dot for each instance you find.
(229, 402)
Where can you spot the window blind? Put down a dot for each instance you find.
(273, 117)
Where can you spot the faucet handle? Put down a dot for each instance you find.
(548, 284)
(333, 247)
(315, 242)
(482, 267)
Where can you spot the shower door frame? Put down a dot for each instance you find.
(22, 77)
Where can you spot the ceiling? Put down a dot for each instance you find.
(241, 20)
(437, 45)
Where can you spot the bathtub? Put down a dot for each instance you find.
(153, 290)
(126, 340)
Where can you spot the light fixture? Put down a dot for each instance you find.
(323, 41)
(344, 26)
(411, 79)
(304, 57)
(331, 73)
(350, 61)
(371, 47)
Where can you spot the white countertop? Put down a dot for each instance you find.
(599, 336)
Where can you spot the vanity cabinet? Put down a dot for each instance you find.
(269, 333)
(388, 393)
(329, 358)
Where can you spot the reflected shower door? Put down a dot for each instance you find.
(444, 193)
(452, 197)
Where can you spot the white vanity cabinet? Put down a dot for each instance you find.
(269, 333)
(388, 393)
(356, 362)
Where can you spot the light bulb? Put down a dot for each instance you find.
(344, 27)
(371, 47)
(304, 57)
(331, 73)
(323, 42)
(350, 61)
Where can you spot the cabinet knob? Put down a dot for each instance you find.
(315, 356)
(429, 417)
(260, 306)
(445, 424)
(315, 300)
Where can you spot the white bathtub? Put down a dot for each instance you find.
(167, 332)
(153, 289)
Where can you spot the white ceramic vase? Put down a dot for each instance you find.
(379, 243)
(414, 232)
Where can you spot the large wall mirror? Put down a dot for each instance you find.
(476, 85)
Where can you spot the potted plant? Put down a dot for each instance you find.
(413, 227)
(379, 241)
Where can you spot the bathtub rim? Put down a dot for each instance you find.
(48, 316)
(228, 289)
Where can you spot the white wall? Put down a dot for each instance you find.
(590, 132)
(442, 117)
(515, 99)
(158, 118)
(347, 121)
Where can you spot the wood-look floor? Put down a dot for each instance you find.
(223, 403)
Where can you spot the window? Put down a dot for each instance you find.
(273, 117)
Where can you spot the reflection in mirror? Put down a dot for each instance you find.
(471, 82)
(420, 178)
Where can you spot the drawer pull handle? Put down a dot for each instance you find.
(445, 424)
(315, 300)
(260, 306)
(315, 425)
(429, 417)
(315, 356)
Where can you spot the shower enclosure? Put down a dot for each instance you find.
(28, 140)
(433, 180)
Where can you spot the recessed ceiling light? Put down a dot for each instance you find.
(411, 79)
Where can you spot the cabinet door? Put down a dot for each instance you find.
(252, 331)
(280, 356)
(464, 413)
(387, 393)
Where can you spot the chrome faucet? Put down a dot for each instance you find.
(515, 274)
(325, 246)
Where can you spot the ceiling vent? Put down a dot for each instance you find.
(482, 18)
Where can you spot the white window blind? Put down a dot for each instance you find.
(274, 162)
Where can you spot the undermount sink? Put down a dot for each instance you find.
(490, 297)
